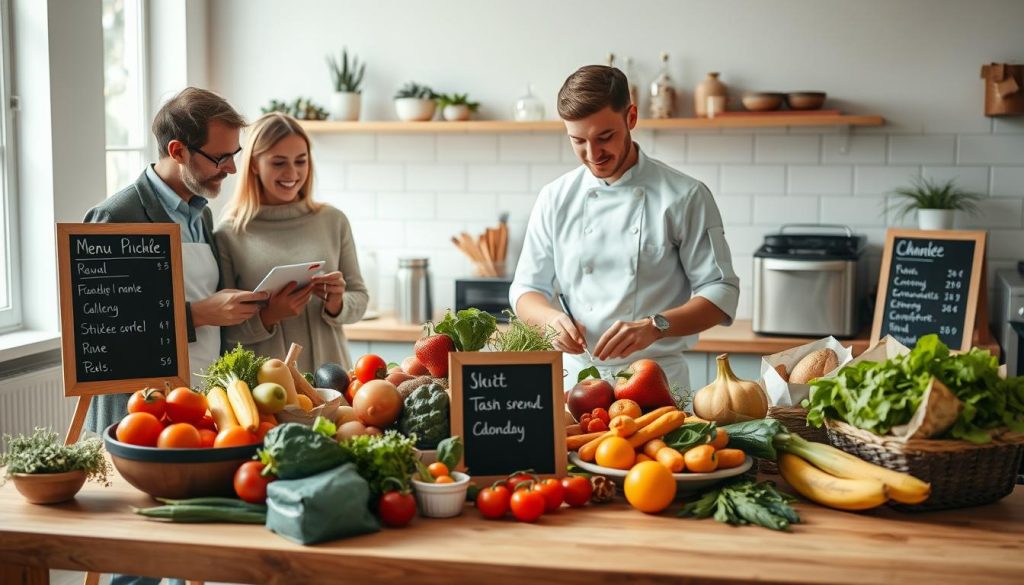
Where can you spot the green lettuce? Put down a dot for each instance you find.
(470, 329)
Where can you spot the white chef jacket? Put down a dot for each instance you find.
(626, 251)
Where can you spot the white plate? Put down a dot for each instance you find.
(685, 482)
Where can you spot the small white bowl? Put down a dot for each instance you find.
(441, 500)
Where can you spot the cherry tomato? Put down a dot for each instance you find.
(234, 437)
(437, 469)
(577, 490)
(551, 490)
(264, 428)
(371, 367)
(179, 436)
(397, 509)
(527, 505)
(206, 422)
(493, 501)
(353, 387)
(251, 484)
(186, 405)
(518, 478)
(149, 400)
(444, 479)
(139, 428)
(207, 438)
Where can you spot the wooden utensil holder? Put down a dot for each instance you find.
(1004, 89)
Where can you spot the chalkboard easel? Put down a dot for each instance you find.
(122, 310)
(509, 409)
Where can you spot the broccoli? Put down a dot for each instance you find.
(425, 415)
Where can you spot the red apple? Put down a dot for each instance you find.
(411, 365)
(645, 383)
(589, 394)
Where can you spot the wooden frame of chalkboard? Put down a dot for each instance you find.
(949, 299)
(118, 286)
(535, 381)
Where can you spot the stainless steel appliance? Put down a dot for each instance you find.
(809, 280)
(486, 294)
(412, 291)
(1008, 319)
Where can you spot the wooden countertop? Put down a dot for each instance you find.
(607, 544)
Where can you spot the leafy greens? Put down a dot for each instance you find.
(470, 329)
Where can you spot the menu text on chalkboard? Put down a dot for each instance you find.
(929, 284)
(509, 409)
(122, 305)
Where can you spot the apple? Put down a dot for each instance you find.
(589, 394)
(645, 383)
(411, 365)
(270, 398)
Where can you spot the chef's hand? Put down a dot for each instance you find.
(330, 288)
(226, 307)
(570, 335)
(625, 338)
(285, 304)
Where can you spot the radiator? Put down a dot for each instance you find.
(34, 399)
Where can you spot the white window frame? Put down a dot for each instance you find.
(10, 315)
(143, 148)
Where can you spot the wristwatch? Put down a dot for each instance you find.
(660, 323)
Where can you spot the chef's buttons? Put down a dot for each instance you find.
(588, 269)
(638, 192)
(634, 230)
(588, 230)
(593, 193)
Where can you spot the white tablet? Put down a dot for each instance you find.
(279, 276)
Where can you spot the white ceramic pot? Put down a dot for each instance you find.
(345, 105)
(456, 113)
(414, 109)
(441, 500)
(935, 219)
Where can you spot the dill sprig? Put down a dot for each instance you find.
(523, 336)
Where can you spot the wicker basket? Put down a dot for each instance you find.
(962, 474)
(794, 419)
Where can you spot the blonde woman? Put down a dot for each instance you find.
(273, 220)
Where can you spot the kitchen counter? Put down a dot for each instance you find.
(610, 544)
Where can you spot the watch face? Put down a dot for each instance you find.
(661, 322)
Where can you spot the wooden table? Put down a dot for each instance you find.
(607, 544)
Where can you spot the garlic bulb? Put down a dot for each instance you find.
(728, 399)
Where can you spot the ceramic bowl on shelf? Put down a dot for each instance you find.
(762, 101)
(441, 500)
(805, 100)
(685, 482)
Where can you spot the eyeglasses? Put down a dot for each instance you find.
(217, 161)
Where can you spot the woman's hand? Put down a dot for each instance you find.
(330, 288)
(285, 304)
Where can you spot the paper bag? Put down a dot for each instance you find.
(782, 393)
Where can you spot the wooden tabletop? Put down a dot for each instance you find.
(607, 544)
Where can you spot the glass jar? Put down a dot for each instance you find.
(528, 108)
(663, 92)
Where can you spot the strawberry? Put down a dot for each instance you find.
(645, 383)
(432, 352)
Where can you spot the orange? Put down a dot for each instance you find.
(234, 437)
(701, 459)
(649, 487)
(444, 479)
(437, 469)
(729, 458)
(721, 439)
(615, 452)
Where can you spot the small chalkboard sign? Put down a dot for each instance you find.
(509, 409)
(930, 282)
(122, 306)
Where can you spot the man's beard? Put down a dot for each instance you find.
(201, 187)
(619, 163)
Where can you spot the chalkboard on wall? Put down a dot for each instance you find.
(930, 282)
(122, 306)
(509, 409)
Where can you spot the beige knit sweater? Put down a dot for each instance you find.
(289, 234)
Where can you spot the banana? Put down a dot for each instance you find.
(822, 488)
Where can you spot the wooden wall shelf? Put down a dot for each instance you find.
(507, 126)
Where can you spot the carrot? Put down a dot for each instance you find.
(671, 459)
(667, 422)
(588, 450)
(576, 441)
(652, 447)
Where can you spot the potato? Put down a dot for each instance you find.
(814, 365)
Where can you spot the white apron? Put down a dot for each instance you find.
(201, 277)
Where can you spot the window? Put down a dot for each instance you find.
(124, 87)
(10, 293)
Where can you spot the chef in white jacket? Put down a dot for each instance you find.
(636, 247)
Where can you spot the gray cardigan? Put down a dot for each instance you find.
(136, 203)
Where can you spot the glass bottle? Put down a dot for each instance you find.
(634, 91)
(663, 92)
(528, 108)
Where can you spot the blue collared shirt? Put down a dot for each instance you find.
(188, 215)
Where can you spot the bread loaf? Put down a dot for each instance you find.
(814, 365)
(781, 369)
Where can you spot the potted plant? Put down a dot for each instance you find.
(415, 102)
(347, 77)
(46, 471)
(456, 106)
(936, 203)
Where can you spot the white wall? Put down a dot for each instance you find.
(916, 62)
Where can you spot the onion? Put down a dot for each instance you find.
(374, 431)
(344, 414)
(377, 403)
(350, 429)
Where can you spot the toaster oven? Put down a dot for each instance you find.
(486, 294)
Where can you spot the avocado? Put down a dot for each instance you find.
(332, 376)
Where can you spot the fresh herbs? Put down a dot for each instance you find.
(523, 336)
(877, 396)
(241, 362)
(470, 329)
(383, 460)
(44, 452)
(745, 502)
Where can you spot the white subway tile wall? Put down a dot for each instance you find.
(406, 195)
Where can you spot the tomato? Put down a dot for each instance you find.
(353, 387)
(251, 484)
(234, 437)
(493, 501)
(518, 478)
(371, 367)
(139, 428)
(207, 438)
(186, 405)
(551, 490)
(207, 422)
(179, 436)
(437, 469)
(527, 505)
(577, 490)
(396, 508)
(444, 479)
(149, 400)
(264, 428)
